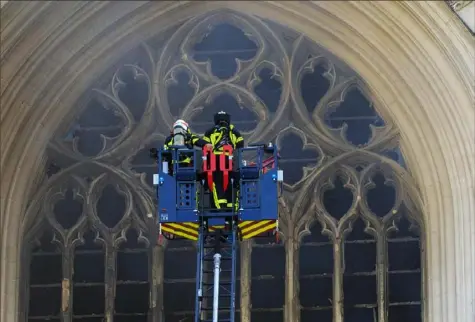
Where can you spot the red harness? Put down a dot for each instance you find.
(209, 164)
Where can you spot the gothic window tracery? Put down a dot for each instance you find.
(350, 226)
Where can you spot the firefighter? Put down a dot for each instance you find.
(181, 135)
(221, 134)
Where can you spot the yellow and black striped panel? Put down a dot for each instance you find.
(248, 229)
(186, 230)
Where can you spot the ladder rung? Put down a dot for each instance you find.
(224, 258)
(221, 246)
(222, 271)
(222, 238)
(220, 296)
(226, 308)
(220, 283)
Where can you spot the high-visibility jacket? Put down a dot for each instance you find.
(219, 136)
(191, 140)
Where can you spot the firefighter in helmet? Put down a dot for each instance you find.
(222, 133)
(180, 135)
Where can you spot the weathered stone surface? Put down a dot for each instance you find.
(415, 57)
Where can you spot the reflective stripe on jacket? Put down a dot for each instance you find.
(191, 140)
(216, 135)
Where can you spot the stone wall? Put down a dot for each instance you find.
(416, 57)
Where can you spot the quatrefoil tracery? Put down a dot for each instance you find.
(141, 121)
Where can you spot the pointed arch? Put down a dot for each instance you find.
(423, 66)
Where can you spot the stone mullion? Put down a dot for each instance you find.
(382, 276)
(246, 280)
(157, 280)
(154, 313)
(25, 281)
(292, 285)
(66, 284)
(338, 269)
(110, 276)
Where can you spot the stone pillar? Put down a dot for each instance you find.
(157, 283)
(338, 254)
(292, 285)
(246, 252)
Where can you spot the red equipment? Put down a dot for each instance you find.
(209, 164)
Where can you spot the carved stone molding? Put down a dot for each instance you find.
(336, 135)
(459, 5)
(405, 94)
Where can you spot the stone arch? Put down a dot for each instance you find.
(426, 64)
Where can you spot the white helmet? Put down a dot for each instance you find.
(180, 124)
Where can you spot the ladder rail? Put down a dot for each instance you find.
(201, 245)
(234, 241)
(199, 274)
(233, 272)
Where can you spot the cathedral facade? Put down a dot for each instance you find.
(370, 104)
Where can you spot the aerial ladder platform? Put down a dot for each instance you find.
(185, 210)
